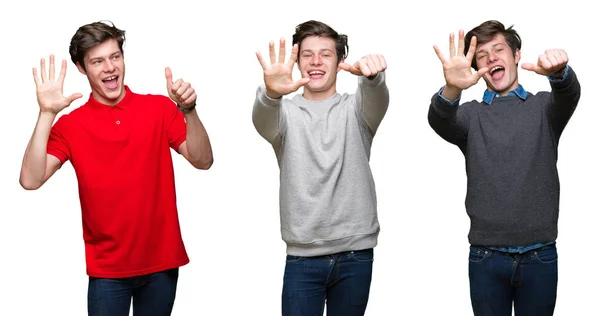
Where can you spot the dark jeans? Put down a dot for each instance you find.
(498, 279)
(153, 295)
(343, 280)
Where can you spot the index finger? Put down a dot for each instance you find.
(472, 47)
(63, 71)
(293, 55)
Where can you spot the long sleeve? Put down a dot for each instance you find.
(266, 116)
(449, 120)
(565, 97)
(373, 99)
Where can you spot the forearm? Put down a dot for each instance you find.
(266, 115)
(33, 168)
(197, 142)
(445, 120)
(566, 92)
(373, 99)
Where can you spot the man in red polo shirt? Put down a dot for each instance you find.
(119, 143)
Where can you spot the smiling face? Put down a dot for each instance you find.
(105, 70)
(318, 62)
(498, 57)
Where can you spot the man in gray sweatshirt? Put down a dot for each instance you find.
(510, 144)
(322, 140)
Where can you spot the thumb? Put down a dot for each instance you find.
(482, 71)
(528, 66)
(301, 83)
(74, 97)
(169, 77)
(346, 67)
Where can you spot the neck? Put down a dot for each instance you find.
(318, 95)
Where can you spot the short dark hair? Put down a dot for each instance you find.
(486, 31)
(90, 35)
(316, 28)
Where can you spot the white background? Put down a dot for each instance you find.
(229, 214)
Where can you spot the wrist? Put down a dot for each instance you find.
(560, 73)
(451, 92)
(273, 95)
(48, 113)
(186, 110)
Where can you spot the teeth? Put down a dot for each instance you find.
(316, 73)
(495, 68)
(110, 78)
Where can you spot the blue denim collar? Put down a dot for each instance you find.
(488, 96)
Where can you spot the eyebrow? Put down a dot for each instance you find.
(321, 50)
(101, 57)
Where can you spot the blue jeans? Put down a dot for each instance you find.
(343, 280)
(153, 295)
(498, 279)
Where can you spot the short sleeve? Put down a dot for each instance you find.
(57, 142)
(176, 130)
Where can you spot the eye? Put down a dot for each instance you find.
(116, 57)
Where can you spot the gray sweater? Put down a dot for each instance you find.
(511, 150)
(327, 192)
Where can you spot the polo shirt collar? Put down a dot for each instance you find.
(123, 104)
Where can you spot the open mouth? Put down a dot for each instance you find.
(316, 74)
(497, 72)
(111, 82)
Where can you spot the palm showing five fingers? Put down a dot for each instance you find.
(50, 91)
(457, 67)
(278, 75)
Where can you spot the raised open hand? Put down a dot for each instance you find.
(278, 74)
(552, 62)
(49, 91)
(367, 66)
(457, 68)
(180, 92)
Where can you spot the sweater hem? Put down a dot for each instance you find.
(321, 248)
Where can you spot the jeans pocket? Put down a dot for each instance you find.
(546, 254)
(477, 254)
(293, 259)
(363, 255)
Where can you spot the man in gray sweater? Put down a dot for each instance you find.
(510, 144)
(322, 140)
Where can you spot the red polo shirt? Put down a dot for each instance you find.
(122, 157)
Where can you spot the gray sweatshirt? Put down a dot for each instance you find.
(511, 150)
(327, 194)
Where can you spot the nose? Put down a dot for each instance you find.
(316, 60)
(109, 66)
(492, 57)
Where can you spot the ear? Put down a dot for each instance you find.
(341, 61)
(517, 56)
(81, 70)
